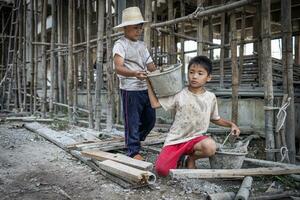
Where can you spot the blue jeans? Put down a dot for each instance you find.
(139, 119)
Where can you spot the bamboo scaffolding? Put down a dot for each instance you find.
(18, 101)
(222, 52)
(212, 11)
(200, 31)
(35, 57)
(75, 66)
(59, 54)
(24, 74)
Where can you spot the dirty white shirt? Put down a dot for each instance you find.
(193, 114)
(136, 57)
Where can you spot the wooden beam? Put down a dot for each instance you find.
(245, 189)
(120, 158)
(44, 56)
(232, 173)
(127, 173)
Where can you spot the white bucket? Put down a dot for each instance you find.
(168, 82)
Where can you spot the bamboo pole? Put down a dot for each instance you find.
(148, 17)
(212, 11)
(52, 56)
(110, 73)
(241, 57)
(75, 65)
(44, 56)
(59, 54)
(234, 68)
(200, 31)
(288, 83)
(171, 38)
(81, 39)
(182, 55)
(20, 58)
(70, 60)
(35, 72)
(222, 52)
(268, 79)
(210, 36)
(88, 65)
(99, 62)
(24, 103)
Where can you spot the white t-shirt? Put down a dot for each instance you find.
(136, 57)
(193, 114)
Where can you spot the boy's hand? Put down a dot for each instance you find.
(141, 75)
(235, 130)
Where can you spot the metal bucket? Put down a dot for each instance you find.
(167, 82)
(227, 160)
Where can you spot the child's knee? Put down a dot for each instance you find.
(208, 147)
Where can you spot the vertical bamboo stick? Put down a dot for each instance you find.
(210, 35)
(110, 72)
(75, 65)
(70, 60)
(52, 55)
(234, 68)
(19, 60)
(31, 47)
(288, 85)
(88, 64)
(35, 57)
(268, 78)
(59, 54)
(99, 62)
(222, 52)
(171, 37)
(148, 17)
(24, 74)
(182, 14)
(44, 55)
(200, 32)
(241, 57)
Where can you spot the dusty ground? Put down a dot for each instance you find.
(33, 168)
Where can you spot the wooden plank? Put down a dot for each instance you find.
(120, 158)
(232, 173)
(266, 163)
(127, 173)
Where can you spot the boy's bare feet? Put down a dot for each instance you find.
(138, 157)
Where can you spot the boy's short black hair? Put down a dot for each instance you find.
(203, 61)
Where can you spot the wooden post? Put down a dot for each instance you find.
(257, 45)
(110, 72)
(241, 57)
(268, 78)
(297, 49)
(200, 32)
(171, 38)
(60, 64)
(234, 68)
(211, 35)
(70, 60)
(222, 52)
(52, 55)
(44, 56)
(88, 64)
(148, 17)
(288, 83)
(245, 189)
(99, 62)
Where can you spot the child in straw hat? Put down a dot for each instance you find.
(131, 61)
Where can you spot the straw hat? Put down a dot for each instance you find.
(131, 16)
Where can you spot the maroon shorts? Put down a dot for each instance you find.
(169, 155)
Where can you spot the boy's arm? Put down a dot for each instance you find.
(153, 99)
(124, 71)
(222, 122)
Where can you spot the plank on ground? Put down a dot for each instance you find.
(120, 158)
